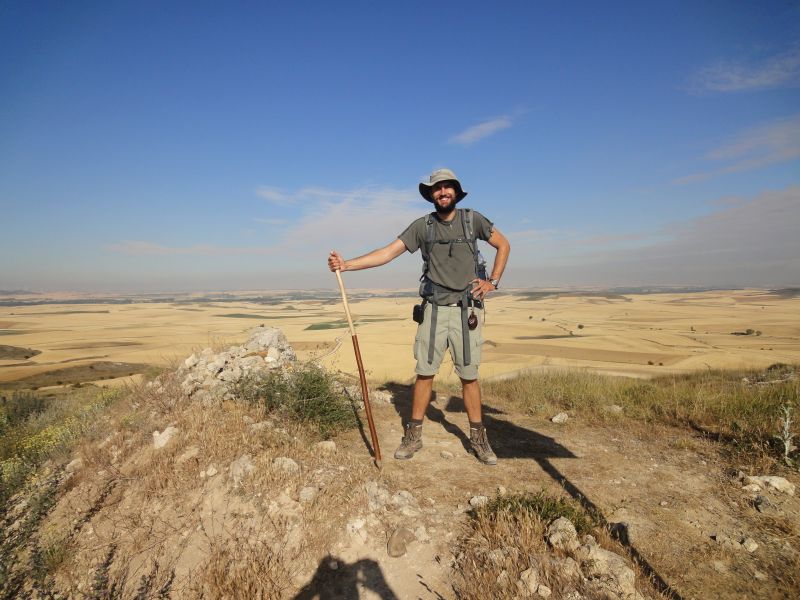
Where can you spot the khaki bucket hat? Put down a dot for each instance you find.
(425, 187)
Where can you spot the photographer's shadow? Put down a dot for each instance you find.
(336, 579)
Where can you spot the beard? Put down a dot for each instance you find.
(445, 210)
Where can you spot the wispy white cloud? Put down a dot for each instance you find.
(778, 70)
(354, 221)
(268, 221)
(144, 248)
(611, 238)
(532, 234)
(482, 130)
(574, 246)
(275, 195)
(770, 143)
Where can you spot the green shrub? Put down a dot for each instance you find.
(542, 506)
(308, 394)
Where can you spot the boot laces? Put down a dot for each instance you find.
(480, 440)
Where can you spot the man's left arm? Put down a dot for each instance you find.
(500, 243)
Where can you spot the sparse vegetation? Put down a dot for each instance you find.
(726, 405)
(34, 429)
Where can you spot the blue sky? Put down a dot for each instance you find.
(175, 146)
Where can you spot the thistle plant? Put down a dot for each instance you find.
(786, 436)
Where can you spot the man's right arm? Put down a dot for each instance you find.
(376, 258)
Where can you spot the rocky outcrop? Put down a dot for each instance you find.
(209, 375)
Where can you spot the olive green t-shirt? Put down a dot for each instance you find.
(451, 265)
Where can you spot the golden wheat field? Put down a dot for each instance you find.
(638, 335)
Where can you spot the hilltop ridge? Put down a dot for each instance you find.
(214, 480)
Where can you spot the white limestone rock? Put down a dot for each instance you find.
(286, 464)
(749, 544)
(478, 501)
(497, 556)
(503, 579)
(188, 454)
(381, 396)
(75, 465)
(240, 468)
(607, 571)
(162, 438)
(326, 447)
(261, 426)
(562, 534)
(543, 591)
(528, 581)
(377, 495)
(771, 481)
(308, 494)
(355, 527)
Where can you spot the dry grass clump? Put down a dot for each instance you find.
(744, 409)
(508, 536)
(162, 394)
(244, 569)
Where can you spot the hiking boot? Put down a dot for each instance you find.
(479, 444)
(412, 441)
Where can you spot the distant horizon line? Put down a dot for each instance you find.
(12, 294)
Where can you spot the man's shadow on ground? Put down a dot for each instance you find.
(507, 439)
(512, 441)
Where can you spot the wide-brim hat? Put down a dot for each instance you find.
(426, 187)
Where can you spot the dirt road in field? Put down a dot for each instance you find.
(671, 489)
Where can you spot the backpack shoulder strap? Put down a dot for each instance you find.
(469, 230)
(430, 236)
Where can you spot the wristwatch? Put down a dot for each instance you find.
(495, 282)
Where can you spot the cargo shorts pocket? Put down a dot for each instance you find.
(475, 345)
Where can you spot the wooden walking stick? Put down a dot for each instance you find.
(364, 390)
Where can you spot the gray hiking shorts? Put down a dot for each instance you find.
(448, 335)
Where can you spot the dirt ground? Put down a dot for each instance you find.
(671, 489)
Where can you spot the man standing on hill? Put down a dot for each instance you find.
(454, 284)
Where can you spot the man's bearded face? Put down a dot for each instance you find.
(444, 197)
